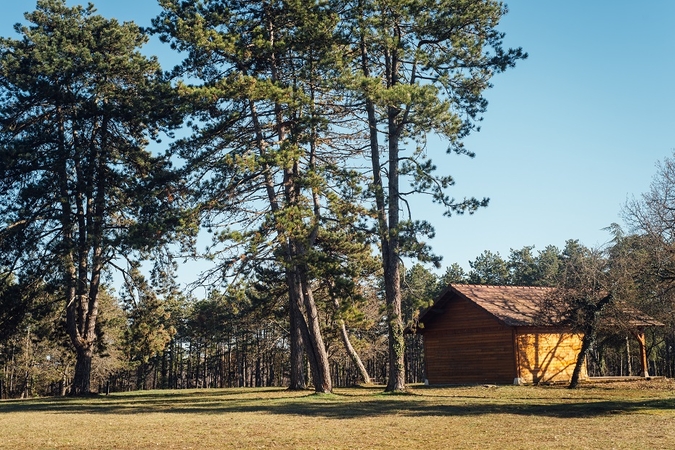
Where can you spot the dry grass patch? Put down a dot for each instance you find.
(617, 415)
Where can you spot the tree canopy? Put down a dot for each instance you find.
(79, 189)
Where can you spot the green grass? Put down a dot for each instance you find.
(617, 415)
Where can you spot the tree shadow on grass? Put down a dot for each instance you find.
(331, 406)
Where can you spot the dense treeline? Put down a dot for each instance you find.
(305, 134)
(243, 340)
(220, 341)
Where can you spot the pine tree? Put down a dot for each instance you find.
(78, 187)
(423, 66)
(271, 149)
(489, 268)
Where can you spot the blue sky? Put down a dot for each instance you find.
(569, 134)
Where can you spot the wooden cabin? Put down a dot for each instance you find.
(493, 334)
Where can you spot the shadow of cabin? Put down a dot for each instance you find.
(494, 334)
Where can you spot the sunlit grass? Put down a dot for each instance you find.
(618, 415)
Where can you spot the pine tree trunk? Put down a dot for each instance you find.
(322, 380)
(388, 221)
(392, 271)
(396, 380)
(82, 378)
(297, 381)
(363, 373)
(310, 327)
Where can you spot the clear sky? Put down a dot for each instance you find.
(569, 134)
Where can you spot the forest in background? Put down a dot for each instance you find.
(242, 340)
(305, 131)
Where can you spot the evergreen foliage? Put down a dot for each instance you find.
(266, 156)
(78, 188)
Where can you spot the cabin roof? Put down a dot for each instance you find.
(514, 305)
(511, 305)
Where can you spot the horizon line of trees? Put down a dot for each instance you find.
(243, 340)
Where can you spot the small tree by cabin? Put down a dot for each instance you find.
(496, 334)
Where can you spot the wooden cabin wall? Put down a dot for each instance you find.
(546, 356)
(468, 345)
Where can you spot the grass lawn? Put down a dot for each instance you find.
(602, 416)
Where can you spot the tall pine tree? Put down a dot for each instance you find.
(263, 155)
(78, 187)
(423, 65)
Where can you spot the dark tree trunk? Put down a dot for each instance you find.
(392, 270)
(82, 378)
(309, 325)
(589, 336)
(581, 357)
(297, 375)
(321, 373)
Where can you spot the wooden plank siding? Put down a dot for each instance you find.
(468, 345)
(545, 355)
